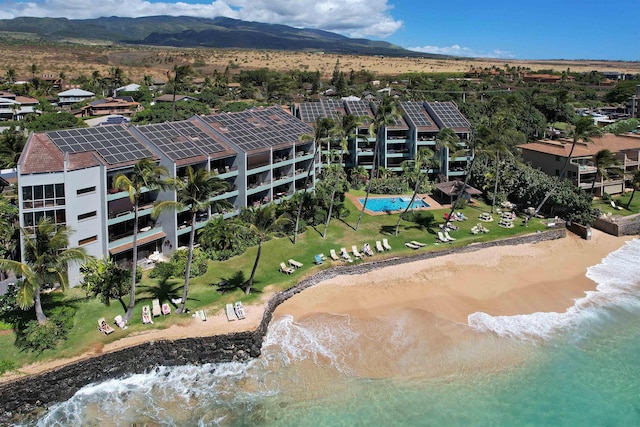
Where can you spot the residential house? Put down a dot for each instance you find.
(14, 107)
(122, 105)
(179, 98)
(550, 156)
(73, 96)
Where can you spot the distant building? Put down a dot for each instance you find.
(550, 156)
(122, 105)
(73, 96)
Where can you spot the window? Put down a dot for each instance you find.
(86, 190)
(39, 196)
(57, 216)
(87, 215)
(88, 240)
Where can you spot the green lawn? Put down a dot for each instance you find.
(620, 200)
(203, 291)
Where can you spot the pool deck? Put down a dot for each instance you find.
(424, 197)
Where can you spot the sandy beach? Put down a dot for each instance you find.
(507, 280)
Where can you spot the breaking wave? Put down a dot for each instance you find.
(618, 282)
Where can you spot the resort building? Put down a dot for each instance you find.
(14, 107)
(417, 128)
(69, 176)
(550, 156)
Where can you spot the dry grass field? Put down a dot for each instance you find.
(76, 59)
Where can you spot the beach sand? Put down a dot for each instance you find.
(507, 280)
(504, 280)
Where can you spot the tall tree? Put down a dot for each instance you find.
(11, 75)
(345, 127)
(34, 70)
(179, 79)
(146, 176)
(46, 262)
(386, 113)
(498, 148)
(584, 129)
(263, 224)
(635, 183)
(606, 164)
(423, 157)
(194, 193)
(11, 146)
(446, 140)
(321, 129)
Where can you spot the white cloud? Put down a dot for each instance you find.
(354, 18)
(457, 50)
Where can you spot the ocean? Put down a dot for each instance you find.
(407, 368)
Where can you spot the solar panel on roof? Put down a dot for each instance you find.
(106, 141)
(449, 115)
(416, 113)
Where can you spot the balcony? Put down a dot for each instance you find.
(145, 235)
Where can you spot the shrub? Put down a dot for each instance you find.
(38, 338)
(198, 264)
(7, 365)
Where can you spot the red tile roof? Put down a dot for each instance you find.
(41, 156)
(611, 142)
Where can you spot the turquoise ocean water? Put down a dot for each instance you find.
(577, 368)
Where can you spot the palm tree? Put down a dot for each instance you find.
(264, 223)
(445, 140)
(46, 262)
(146, 175)
(345, 127)
(220, 234)
(34, 70)
(635, 183)
(11, 146)
(605, 162)
(181, 74)
(498, 147)
(321, 129)
(583, 130)
(195, 194)
(423, 157)
(11, 75)
(385, 114)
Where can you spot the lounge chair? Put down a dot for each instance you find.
(379, 247)
(334, 256)
(418, 243)
(319, 259)
(285, 269)
(356, 254)
(614, 206)
(486, 217)
(295, 264)
(442, 238)
(166, 309)
(411, 245)
(366, 249)
(156, 310)
(385, 244)
(104, 327)
(231, 314)
(345, 255)
(146, 315)
(240, 310)
(120, 322)
(446, 234)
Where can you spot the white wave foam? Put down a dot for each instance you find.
(289, 341)
(618, 281)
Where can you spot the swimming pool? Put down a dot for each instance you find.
(388, 204)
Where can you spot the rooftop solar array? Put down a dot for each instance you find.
(310, 111)
(416, 113)
(114, 143)
(332, 107)
(449, 115)
(360, 109)
(259, 128)
(170, 141)
(199, 137)
(397, 121)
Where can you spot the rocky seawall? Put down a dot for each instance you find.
(32, 394)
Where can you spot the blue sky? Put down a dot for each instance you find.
(560, 29)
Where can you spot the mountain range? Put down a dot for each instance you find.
(183, 31)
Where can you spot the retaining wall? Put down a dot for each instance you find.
(32, 394)
(619, 226)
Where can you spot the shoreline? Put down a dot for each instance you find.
(180, 345)
(313, 300)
